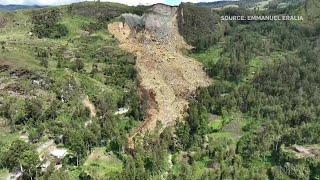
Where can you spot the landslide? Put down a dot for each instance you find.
(167, 77)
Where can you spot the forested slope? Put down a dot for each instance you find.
(259, 120)
(65, 85)
(70, 97)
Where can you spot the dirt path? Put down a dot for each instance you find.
(87, 103)
(166, 76)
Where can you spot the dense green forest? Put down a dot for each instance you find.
(266, 96)
(258, 120)
(258, 4)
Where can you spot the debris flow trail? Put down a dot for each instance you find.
(167, 78)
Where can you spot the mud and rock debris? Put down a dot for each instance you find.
(168, 76)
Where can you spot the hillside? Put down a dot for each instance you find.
(258, 120)
(99, 90)
(167, 78)
(63, 86)
(258, 4)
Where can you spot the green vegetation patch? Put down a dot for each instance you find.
(4, 173)
(6, 137)
(100, 164)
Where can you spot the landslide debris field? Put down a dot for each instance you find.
(167, 77)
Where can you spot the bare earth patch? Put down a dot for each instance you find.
(88, 104)
(167, 77)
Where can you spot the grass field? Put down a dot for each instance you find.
(5, 136)
(209, 56)
(99, 163)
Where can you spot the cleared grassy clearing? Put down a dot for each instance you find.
(210, 56)
(99, 164)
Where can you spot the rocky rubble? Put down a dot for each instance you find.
(158, 20)
(167, 77)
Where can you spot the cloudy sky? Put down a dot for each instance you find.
(129, 2)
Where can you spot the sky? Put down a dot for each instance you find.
(129, 2)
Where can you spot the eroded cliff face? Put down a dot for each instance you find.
(167, 77)
(159, 21)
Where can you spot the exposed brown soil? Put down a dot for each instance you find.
(167, 77)
(88, 104)
(5, 63)
(305, 151)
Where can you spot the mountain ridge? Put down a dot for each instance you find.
(15, 7)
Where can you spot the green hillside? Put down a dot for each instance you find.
(50, 61)
(259, 119)
(66, 86)
(252, 4)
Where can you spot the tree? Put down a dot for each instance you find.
(78, 65)
(183, 133)
(16, 111)
(44, 62)
(2, 43)
(29, 162)
(43, 54)
(45, 24)
(94, 69)
(33, 108)
(84, 176)
(76, 145)
(20, 155)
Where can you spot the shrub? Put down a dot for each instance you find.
(45, 24)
